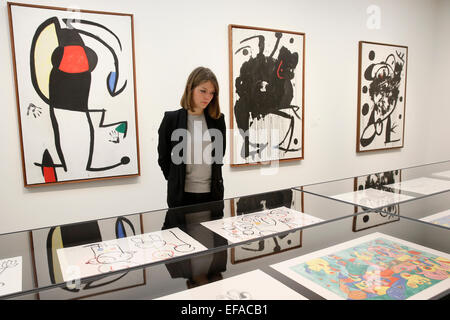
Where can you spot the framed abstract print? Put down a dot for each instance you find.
(381, 96)
(76, 93)
(372, 267)
(266, 94)
(390, 213)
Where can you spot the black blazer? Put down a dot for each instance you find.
(175, 173)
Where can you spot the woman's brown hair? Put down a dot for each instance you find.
(197, 77)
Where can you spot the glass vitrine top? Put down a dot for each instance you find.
(384, 189)
(99, 253)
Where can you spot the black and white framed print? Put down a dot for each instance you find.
(381, 96)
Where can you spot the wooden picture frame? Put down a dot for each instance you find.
(373, 219)
(382, 75)
(267, 107)
(75, 84)
(257, 249)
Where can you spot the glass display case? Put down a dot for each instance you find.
(380, 236)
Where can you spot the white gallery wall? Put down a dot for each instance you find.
(172, 37)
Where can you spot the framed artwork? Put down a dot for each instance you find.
(381, 96)
(375, 218)
(247, 286)
(47, 242)
(76, 93)
(247, 205)
(373, 267)
(10, 275)
(266, 94)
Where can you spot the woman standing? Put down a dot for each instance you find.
(192, 143)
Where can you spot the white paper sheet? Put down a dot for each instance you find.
(372, 198)
(103, 257)
(253, 285)
(422, 185)
(10, 275)
(258, 224)
(441, 218)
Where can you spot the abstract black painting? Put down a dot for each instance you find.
(381, 96)
(266, 94)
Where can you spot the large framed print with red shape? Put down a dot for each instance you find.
(76, 93)
(381, 96)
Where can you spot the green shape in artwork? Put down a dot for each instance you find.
(121, 128)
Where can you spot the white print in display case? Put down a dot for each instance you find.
(372, 198)
(422, 185)
(103, 257)
(441, 218)
(372, 267)
(442, 174)
(258, 224)
(10, 275)
(253, 285)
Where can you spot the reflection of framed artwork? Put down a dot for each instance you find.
(46, 242)
(266, 94)
(76, 94)
(390, 213)
(244, 205)
(373, 267)
(381, 96)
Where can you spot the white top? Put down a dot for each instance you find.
(198, 162)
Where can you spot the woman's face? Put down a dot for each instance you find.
(202, 95)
